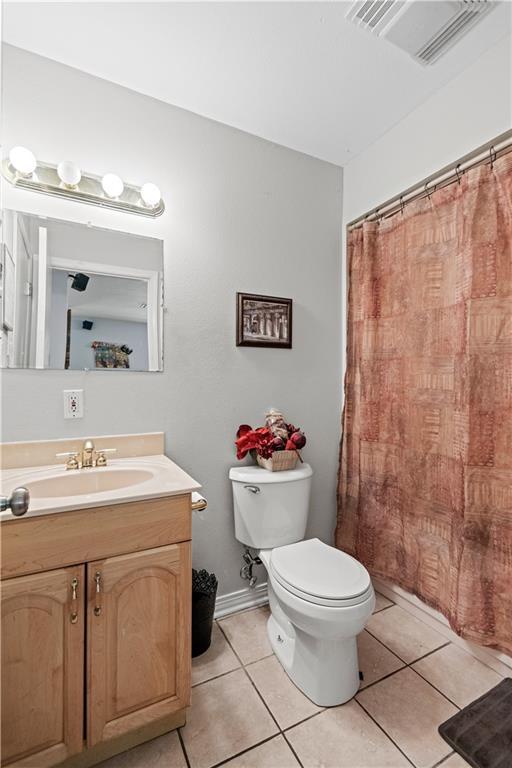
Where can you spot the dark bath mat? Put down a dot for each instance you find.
(482, 732)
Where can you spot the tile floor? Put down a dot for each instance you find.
(246, 713)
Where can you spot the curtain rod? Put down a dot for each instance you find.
(487, 153)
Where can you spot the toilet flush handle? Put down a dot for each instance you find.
(252, 488)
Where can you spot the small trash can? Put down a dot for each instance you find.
(204, 592)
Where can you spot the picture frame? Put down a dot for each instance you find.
(263, 321)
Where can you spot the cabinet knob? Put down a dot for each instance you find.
(18, 502)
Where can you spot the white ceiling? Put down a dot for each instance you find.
(110, 297)
(298, 74)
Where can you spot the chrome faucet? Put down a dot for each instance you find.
(88, 457)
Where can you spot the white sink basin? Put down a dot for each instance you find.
(78, 482)
(53, 488)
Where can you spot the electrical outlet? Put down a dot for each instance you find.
(73, 403)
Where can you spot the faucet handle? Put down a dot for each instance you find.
(101, 459)
(72, 459)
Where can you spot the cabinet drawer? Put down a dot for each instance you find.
(35, 544)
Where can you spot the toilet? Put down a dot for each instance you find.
(320, 598)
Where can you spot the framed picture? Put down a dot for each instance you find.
(263, 321)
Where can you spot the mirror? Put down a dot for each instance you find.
(79, 297)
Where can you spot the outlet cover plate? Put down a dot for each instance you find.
(73, 403)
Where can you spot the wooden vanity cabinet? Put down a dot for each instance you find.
(42, 667)
(138, 654)
(95, 656)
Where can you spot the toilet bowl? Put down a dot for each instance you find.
(320, 598)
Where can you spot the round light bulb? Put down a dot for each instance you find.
(22, 160)
(69, 173)
(150, 195)
(112, 185)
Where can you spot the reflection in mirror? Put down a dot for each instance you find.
(79, 297)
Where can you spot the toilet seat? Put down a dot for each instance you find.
(321, 574)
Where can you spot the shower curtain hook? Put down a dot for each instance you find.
(402, 204)
(427, 192)
(492, 156)
(458, 173)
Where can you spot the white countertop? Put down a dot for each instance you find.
(160, 477)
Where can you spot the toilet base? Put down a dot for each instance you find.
(326, 670)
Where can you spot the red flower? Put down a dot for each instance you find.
(258, 440)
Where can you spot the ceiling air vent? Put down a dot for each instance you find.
(425, 29)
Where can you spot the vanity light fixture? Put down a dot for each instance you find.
(68, 181)
(150, 195)
(112, 185)
(22, 161)
(69, 173)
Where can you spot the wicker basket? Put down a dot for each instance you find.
(279, 461)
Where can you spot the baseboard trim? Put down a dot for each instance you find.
(498, 661)
(240, 600)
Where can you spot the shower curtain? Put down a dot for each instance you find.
(425, 480)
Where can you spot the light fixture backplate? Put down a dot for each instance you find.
(46, 180)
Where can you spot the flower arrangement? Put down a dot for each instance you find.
(276, 440)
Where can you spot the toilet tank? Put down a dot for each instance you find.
(271, 508)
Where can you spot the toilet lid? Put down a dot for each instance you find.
(320, 571)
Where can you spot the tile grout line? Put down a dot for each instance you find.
(409, 666)
(309, 717)
(430, 653)
(384, 732)
(280, 730)
(406, 665)
(283, 731)
(228, 641)
(383, 643)
(216, 677)
(395, 653)
(244, 751)
(380, 680)
(436, 689)
(262, 700)
(384, 608)
(242, 665)
(253, 746)
(285, 737)
(444, 760)
(254, 686)
(180, 737)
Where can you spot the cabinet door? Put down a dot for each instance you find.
(139, 616)
(42, 667)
